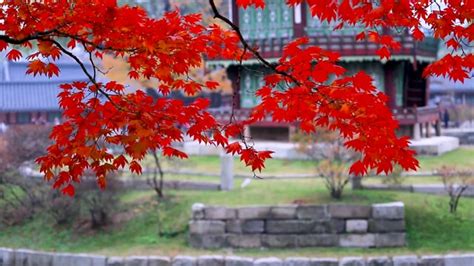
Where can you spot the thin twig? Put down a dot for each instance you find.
(247, 46)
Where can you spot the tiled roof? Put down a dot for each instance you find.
(20, 92)
(24, 96)
(68, 71)
(444, 84)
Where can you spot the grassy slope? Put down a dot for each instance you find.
(211, 164)
(430, 228)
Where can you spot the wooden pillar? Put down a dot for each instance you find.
(3, 118)
(417, 131)
(428, 129)
(234, 10)
(44, 117)
(291, 132)
(12, 117)
(36, 118)
(356, 182)
(299, 20)
(389, 83)
(227, 171)
(422, 130)
(233, 75)
(438, 128)
(426, 86)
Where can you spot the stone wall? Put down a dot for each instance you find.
(23, 257)
(140, 184)
(436, 189)
(290, 226)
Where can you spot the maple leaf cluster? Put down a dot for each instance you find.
(100, 116)
(348, 104)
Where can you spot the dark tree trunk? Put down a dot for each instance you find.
(336, 193)
(156, 184)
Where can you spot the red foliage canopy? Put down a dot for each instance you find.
(166, 49)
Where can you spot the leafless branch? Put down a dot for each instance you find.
(247, 46)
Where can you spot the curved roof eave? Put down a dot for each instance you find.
(422, 59)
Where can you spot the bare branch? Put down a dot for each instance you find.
(247, 46)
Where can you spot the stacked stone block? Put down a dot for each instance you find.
(22, 257)
(290, 226)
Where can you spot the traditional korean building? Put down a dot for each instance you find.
(272, 28)
(25, 99)
(445, 90)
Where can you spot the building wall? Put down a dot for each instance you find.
(252, 78)
(41, 117)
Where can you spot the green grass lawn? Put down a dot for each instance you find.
(409, 180)
(211, 164)
(462, 158)
(430, 228)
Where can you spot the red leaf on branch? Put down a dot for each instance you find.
(3, 45)
(68, 190)
(418, 34)
(172, 152)
(247, 3)
(384, 53)
(135, 167)
(52, 70)
(234, 148)
(36, 67)
(212, 85)
(360, 36)
(133, 75)
(358, 169)
(14, 55)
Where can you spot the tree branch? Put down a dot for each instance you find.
(84, 69)
(247, 46)
(32, 37)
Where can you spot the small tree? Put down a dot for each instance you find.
(336, 176)
(154, 182)
(455, 183)
(332, 159)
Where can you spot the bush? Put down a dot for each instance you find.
(455, 183)
(64, 210)
(98, 205)
(331, 158)
(395, 178)
(335, 175)
(22, 197)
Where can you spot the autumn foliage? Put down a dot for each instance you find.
(318, 94)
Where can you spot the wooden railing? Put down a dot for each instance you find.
(348, 46)
(224, 114)
(406, 116)
(413, 115)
